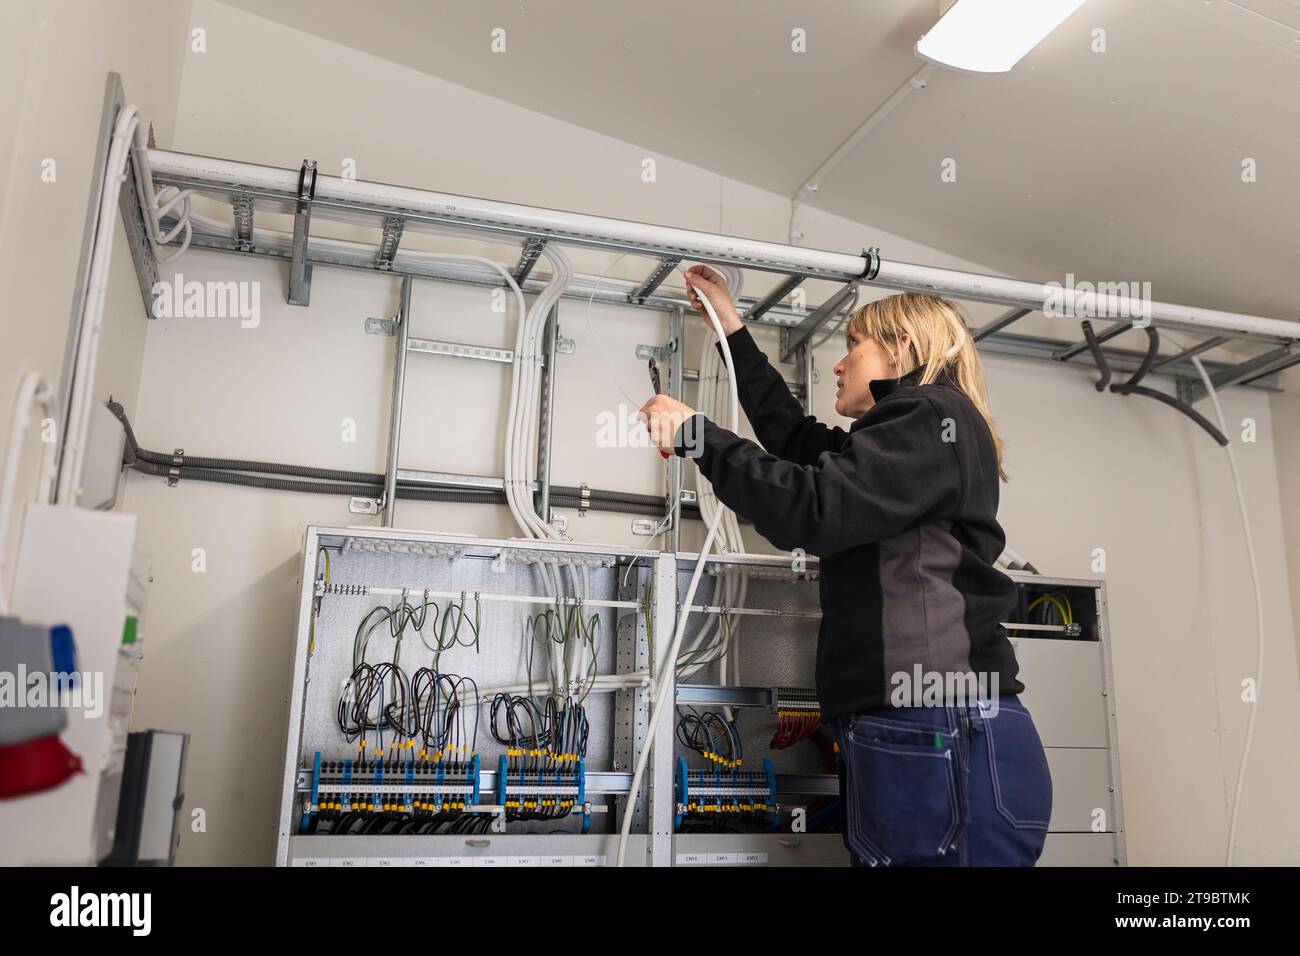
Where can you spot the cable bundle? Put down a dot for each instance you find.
(713, 640)
(541, 776)
(712, 735)
(795, 724)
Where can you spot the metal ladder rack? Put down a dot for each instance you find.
(252, 190)
(391, 223)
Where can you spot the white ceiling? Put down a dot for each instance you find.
(1117, 165)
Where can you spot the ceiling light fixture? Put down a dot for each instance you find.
(990, 36)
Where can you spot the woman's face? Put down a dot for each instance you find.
(867, 361)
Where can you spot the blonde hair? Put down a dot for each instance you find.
(939, 338)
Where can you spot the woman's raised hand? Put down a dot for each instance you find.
(703, 281)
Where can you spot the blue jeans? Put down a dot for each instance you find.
(943, 786)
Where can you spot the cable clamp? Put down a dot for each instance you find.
(174, 472)
(872, 255)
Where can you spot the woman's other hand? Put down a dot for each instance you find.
(703, 281)
(662, 417)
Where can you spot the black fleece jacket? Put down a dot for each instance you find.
(902, 511)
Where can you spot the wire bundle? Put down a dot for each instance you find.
(559, 627)
(1040, 608)
(544, 745)
(712, 735)
(794, 724)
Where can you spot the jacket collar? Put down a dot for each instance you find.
(883, 387)
(880, 387)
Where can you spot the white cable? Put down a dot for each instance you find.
(1259, 598)
(731, 587)
(670, 658)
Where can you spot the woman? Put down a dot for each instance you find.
(939, 761)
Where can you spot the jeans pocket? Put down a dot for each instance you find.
(900, 798)
(1022, 782)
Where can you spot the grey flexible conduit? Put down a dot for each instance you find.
(328, 481)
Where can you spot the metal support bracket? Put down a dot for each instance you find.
(392, 237)
(654, 280)
(1274, 360)
(763, 305)
(364, 506)
(659, 353)
(528, 259)
(243, 210)
(792, 340)
(299, 267)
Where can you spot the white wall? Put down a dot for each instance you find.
(1088, 471)
(1285, 411)
(55, 58)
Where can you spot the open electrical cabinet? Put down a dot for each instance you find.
(457, 786)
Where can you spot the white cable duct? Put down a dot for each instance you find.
(670, 658)
(92, 312)
(1259, 600)
(33, 391)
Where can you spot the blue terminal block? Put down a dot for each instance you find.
(310, 812)
(541, 793)
(716, 791)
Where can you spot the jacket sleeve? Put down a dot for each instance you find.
(894, 470)
(776, 415)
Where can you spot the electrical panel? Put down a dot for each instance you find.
(460, 701)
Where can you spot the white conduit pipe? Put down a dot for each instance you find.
(166, 162)
(670, 658)
(688, 243)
